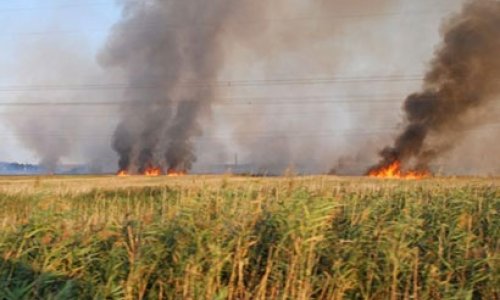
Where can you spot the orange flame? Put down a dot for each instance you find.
(175, 173)
(394, 171)
(153, 171)
(122, 173)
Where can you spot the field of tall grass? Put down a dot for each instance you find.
(229, 237)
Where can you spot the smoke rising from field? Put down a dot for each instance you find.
(54, 132)
(169, 51)
(463, 76)
(177, 61)
(172, 51)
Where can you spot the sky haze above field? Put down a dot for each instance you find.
(315, 84)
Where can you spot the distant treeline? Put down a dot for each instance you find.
(14, 168)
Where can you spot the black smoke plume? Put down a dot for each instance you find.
(463, 76)
(168, 50)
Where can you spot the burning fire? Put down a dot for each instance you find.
(122, 173)
(175, 173)
(394, 171)
(153, 171)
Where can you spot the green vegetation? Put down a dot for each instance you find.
(234, 238)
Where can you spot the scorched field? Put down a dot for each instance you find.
(228, 237)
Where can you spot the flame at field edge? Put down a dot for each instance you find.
(153, 172)
(175, 173)
(393, 171)
(122, 173)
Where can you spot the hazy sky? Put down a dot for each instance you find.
(26, 24)
(396, 38)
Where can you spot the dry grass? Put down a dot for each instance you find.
(226, 237)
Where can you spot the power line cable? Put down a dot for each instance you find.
(256, 134)
(216, 83)
(243, 101)
(281, 103)
(224, 114)
(343, 16)
(175, 27)
(282, 98)
(53, 7)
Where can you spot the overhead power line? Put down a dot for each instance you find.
(255, 134)
(210, 138)
(349, 96)
(215, 103)
(59, 115)
(175, 27)
(53, 7)
(48, 104)
(344, 16)
(209, 83)
(243, 101)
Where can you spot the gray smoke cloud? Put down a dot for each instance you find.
(52, 132)
(181, 63)
(169, 52)
(463, 77)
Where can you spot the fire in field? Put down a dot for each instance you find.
(393, 171)
(159, 134)
(463, 76)
(250, 149)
